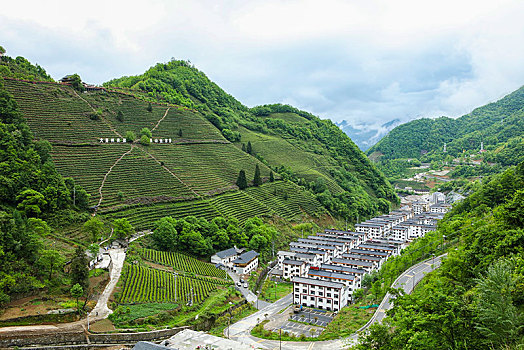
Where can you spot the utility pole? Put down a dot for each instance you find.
(74, 194)
(176, 293)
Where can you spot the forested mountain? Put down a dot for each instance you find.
(475, 300)
(493, 124)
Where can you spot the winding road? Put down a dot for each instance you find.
(240, 330)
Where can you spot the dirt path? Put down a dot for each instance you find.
(107, 174)
(94, 110)
(172, 173)
(157, 124)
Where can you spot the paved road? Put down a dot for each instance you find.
(101, 311)
(241, 330)
(246, 293)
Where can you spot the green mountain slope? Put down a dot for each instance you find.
(318, 171)
(493, 124)
(311, 152)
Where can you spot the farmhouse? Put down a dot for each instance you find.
(226, 257)
(246, 262)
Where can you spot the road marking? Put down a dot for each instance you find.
(310, 346)
(261, 340)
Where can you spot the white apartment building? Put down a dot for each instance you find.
(294, 268)
(352, 282)
(440, 208)
(319, 294)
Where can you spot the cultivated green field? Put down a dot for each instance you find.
(195, 175)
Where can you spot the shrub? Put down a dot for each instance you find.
(144, 140)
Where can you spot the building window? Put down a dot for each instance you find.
(312, 298)
(319, 300)
(328, 295)
(335, 302)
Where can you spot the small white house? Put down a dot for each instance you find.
(225, 257)
(246, 262)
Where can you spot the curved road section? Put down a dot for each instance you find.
(240, 330)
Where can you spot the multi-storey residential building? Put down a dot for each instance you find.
(351, 282)
(294, 268)
(319, 294)
(440, 208)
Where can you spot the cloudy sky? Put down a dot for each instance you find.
(366, 62)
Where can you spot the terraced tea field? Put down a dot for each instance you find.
(143, 284)
(181, 262)
(138, 168)
(56, 114)
(195, 175)
(208, 167)
(142, 217)
(135, 117)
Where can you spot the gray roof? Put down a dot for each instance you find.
(361, 257)
(316, 282)
(352, 262)
(226, 253)
(321, 240)
(293, 262)
(328, 274)
(376, 246)
(145, 345)
(368, 252)
(246, 257)
(344, 269)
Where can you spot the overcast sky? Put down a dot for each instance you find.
(366, 62)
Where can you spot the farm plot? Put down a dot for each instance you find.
(87, 164)
(192, 125)
(286, 199)
(182, 262)
(56, 114)
(241, 206)
(142, 285)
(143, 217)
(137, 177)
(134, 111)
(208, 167)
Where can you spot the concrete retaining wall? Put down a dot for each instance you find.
(74, 338)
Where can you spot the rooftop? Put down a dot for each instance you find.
(227, 253)
(316, 282)
(246, 257)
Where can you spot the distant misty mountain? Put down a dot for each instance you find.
(366, 135)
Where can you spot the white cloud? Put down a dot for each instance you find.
(362, 61)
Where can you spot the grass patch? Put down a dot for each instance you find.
(272, 292)
(222, 322)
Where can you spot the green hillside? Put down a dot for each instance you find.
(493, 124)
(318, 171)
(299, 146)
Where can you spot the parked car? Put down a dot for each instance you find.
(297, 308)
(239, 284)
(245, 285)
(241, 280)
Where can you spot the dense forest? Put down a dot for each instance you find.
(476, 299)
(499, 125)
(34, 200)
